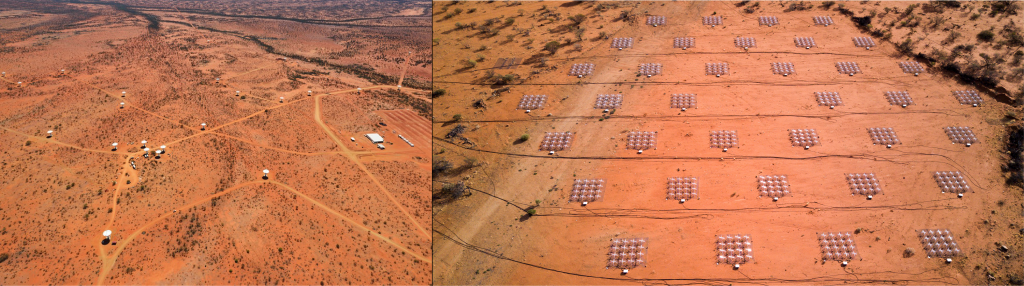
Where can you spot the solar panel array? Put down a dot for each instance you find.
(951, 182)
(837, 246)
(622, 43)
(864, 42)
(716, 69)
(968, 97)
(823, 20)
(847, 68)
(650, 69)
(682, 188)
(898, 98)
(745, 42)
(772, 186)
(883, 136)
(767, 20)
(960, 135)
(532, 102)
(938, 243)
(556, 141)
(581, 70)
(655, 20)
(608, 101)
(912, 67)
(804, 42)
(587, 190)
(863, 184)
(507, 63)
(804, 137)
(712, 20)
(686, 100)
(734, 249)
(627, 253)
(828, 98)
(642, 140)
(684, 43)
(722, 139)
(782, 68)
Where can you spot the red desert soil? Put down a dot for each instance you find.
(486, 237)
(332, 211)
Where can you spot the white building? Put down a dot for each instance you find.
(375, 138)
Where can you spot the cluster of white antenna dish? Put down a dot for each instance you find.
(883, 136)
(556, 141)
(773, 186)
(745, 42)
(828, 98)
(627, 253)
(581, 70)
(863, 184)
(642, 140)
(684, 101)
(684, 43)
(682, 188)
(850, 68)
(655, 20)
(734, 249)
(837, 246)
(804, 138)
(784, 69)
(952, 182)
(901, 98)
(912, 67)
(939, 243)
(767, 20)
(586, 191)
(968, 97)
(608, 101)
(530, 102)
(622, 43)
(804, 42)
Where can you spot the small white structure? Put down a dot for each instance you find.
(162, 151)
(353, 139)
(237, 92)
(144, 145)
(19, 84)
(309, 93)
(158, 152)
(107, 233)
(122, 105)
(4, 74)
(49, 134)
(203, 126)
(380, 146)
(146, 154)
(375, 138)
(123, 93)
(359, 89)
(115, 146)
(265, 174)
(282, 99)
(218, 80)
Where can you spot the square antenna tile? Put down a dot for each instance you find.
(682, 188)
(656, 20)
(587, 191)
(650, 69)
(961, 135)
(627, 253)
(530, 102)
(716, 69)
(642, 140)
(912, 67)
(556, 141)
(622, 43)
(712, 20)
(733, 249)
(684, 43)
(883, 136)
(823, 20)
(968, 97)
(837, 246)
(784, 69)
(806, 138)
(804, 42)
(828, 98)
(724, 139)
(849, 68)
(938, 243)
(507, 63)
(951, 182)
(864, 42)
(608, 101)
(684, 101)
(865, 184)
(772, 186)
(901, 98)
(745, 42)
(581, 70)
(767, 20)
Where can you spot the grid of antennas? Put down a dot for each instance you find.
(581, 70)
(532, 102)
(863, 184)
(650, 69)
(848, 68)
(556, 141)
(837, 246)
(912, 67)
(608, 101)
(966, 97)
(627, 253)
(734, 249)
(864, 42)
(883, 136)
(712, 20)
(745, 42)
(682, 188)
(938, 243)
(724, 139)
(804, 42)
(642, 140)
(772, 186)
(960, 135)
(951, 182)
(587, 190)
(655, 20)
(507, 63)
(622, 43)
(716, 69)
(828, 98)
(684, 101)
(823, 20)
(767, 20)
(683, 43)
(804, 138)
(901, 98)
(782, 68)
